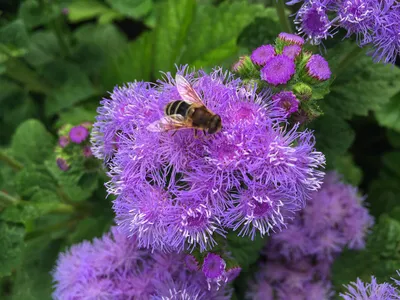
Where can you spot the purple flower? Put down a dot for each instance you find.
(233, 273)
(63, 141)
(287, 100)
(291, 51)
(291, 38)
(313, 21)
(191, 262)
(62, 164)
(78, 134)
(114, 267)
(213, 266)
(278, 70)
(360, 290)
(317, 67)
(262, 54)
(387, 39)
(180, 192)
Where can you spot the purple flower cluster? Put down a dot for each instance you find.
(285, 66)
(373, 22)
(360, 290)
(113, 267)
(177, 191)
(73, 142)
(299, 258)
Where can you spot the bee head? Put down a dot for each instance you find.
(215, 124)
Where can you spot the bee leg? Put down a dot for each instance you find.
(195, 134)
(174, 132)
(204, 132)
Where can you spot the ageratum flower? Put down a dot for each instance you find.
(332, 219)
(177, 191)
(78, 134)
(318, 68)
(292, 51)
(262, 54)
(373, 23)
(278, 70)
(360, 290)
(286, 100)
(114, 267)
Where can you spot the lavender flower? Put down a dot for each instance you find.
(213, 267)
(287, 100)
(278, 70)
(292, 51)
(313, 21)
(262, 54)
(360, 290)
(291, 39)
(114, 267)
(78, 134)
(299, 258)
(318, 68)
(63, 141)
(62, 164)
(176, 191)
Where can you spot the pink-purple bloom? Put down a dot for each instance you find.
(286, 100)
(278, 70)
(78, 134)
(63, 141)
(318, 68)
(291, 38)
(292, 51)
(262, 54)
(62, 164)
(179, 192)
(114, 267)
(213, 266)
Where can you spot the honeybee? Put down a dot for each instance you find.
(190, 112)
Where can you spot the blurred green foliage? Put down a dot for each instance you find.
(59, 58)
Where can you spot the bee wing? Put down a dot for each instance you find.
(186, 90)
(166, 123)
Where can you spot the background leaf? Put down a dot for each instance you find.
(11, 245)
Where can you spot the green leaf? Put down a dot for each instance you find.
(43, 48)
(214, 31)
(132, 8)
(89, 228)
(389, 114)
(394, 138)
(76, 116)
(363, 87)
(244, 250)
(11, 245)
(34, 14)
(346, 166)
(69, 181)
(333, 136)
(33, 279)
(383, 195)
(33, 178)
(79, 11)
(391, 164)
(13, 40)
(71, 86)
(41, 203)
(174, 18)
(132, 64)
(381, 257)
(96, 45)
(31, 142)
(263, 30)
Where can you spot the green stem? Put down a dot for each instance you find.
(17, 166)
(57, 27)
(283, 20)
(348, 59)
(7, 199)
(19, 71)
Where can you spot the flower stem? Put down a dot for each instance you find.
(283, 20)
(17, 166)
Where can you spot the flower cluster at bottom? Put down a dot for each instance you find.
(299, 258)
(113, 267)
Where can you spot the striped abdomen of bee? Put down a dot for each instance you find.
(198, 116)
